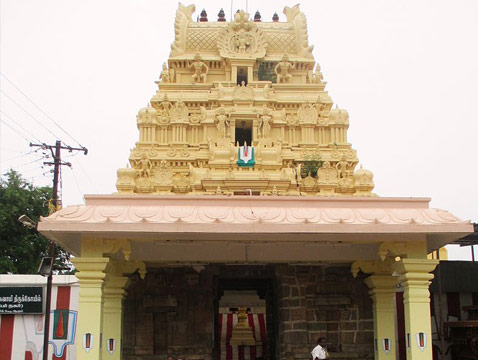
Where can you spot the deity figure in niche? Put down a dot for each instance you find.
(343, 167)
(164, 77)
(222, 122)
(283, 68)
(265, 123)
(242, 41)
(200, 69)
(145, 166)
(315, 77)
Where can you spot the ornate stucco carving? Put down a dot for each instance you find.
(307, 114)
(296, 17)
(111, 247)
(183, 18)
(227, 85)
(242, 38)
(392, 249)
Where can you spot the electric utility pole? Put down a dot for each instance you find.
(56, 163)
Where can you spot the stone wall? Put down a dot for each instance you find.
(171, 312)
(326, 301)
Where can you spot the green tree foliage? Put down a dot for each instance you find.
(21, 248)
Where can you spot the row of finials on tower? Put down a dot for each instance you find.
(221, 16)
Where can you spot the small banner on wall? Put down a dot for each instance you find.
(246, 156)
(421, 341)
(111, 345)
(88, 342)
(387, 345)
(21, 300)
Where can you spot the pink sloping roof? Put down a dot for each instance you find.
(142, 212)
(175, 225)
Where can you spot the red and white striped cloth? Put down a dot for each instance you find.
(227, 352)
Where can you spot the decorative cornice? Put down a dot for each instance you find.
(241, 211)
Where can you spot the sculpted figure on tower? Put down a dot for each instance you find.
(283, 69)
(200, 69)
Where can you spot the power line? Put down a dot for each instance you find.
(87, 175)
(76, 181)
(15, 130)
(26, 112)
(20, 156)
(39, 108)
(14, 167)
(18, 124)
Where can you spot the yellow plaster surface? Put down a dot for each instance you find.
(225, 79)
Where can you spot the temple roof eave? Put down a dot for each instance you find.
(271, 219)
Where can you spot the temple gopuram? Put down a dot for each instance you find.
(243, 227)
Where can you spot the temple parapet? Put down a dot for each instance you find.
(241, 107)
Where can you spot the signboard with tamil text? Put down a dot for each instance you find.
(21, 300)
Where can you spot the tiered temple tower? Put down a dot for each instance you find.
(242, 109)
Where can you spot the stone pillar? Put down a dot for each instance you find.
(113, 294)
(415, 278)
(90, 275)
(382, 291)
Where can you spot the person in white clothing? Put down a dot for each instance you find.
(320, 351)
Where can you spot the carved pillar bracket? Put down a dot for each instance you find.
(112, 246)
(372, 267)
(415, 279)
(130, 267)
(392, 249)
(91, 276)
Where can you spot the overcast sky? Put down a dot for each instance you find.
(406, 71)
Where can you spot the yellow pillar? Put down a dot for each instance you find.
(90, 276)
(113, 295)
(382, 291)
(415, 278)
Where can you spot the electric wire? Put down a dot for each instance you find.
(85, 173)
(19, 156)
(41, 110)
(30, 115)
(77, 183)
(28, 163)
(15, 130)
(19, 125)
(24, 171)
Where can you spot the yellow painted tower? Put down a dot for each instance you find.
(242, 109)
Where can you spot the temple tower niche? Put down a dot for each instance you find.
(241, 107)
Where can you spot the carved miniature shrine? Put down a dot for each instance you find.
(242, 107)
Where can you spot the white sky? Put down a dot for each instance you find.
(406, 70)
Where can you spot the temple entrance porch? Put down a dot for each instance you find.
(151, 269)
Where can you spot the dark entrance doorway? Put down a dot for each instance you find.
(235, 295)
(243, 132)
